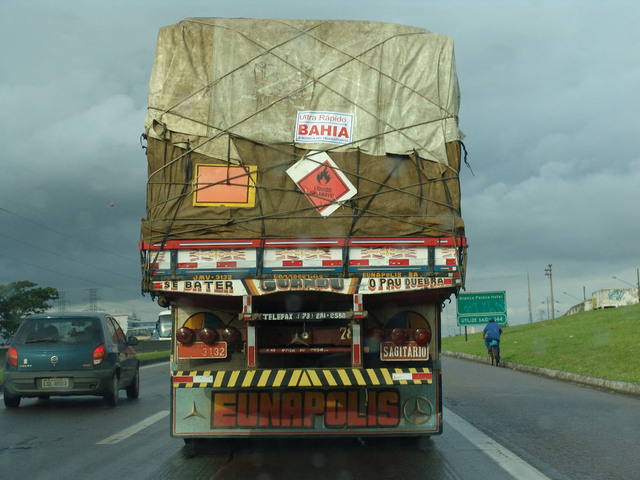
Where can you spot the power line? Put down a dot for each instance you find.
(62, 301)
(66, 258)
(93, 300)
(61, 273)
(65, 235)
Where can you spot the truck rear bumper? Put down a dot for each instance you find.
(369, 402)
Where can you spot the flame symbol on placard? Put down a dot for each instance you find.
(324, 176)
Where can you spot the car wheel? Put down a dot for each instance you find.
(11, 401)
(133, 390)
(111, 395)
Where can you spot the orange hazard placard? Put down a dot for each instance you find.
(222, 185)
(320, 179)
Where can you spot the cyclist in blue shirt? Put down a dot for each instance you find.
(492, 332)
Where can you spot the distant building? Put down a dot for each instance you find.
(619, 297)
(610, 298)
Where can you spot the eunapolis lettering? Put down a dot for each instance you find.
(302, 408)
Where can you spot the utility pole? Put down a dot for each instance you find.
(547, 302)
(548, 274)
(529, 289)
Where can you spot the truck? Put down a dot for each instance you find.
(303, 224)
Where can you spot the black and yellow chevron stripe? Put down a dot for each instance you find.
(346, 377)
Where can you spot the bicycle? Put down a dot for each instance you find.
(494, 353)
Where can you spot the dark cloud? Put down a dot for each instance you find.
(548, 96)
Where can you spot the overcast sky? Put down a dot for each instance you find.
(550, 97)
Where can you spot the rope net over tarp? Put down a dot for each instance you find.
(234, 104)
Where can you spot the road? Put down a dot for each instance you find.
(499, 424)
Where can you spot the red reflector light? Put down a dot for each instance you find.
(231, 335)
(185, 335)
(422, 336)
(208, 335)
(98, 355)
(12, 355)
(399, 336)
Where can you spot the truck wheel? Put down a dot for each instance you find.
(192, 447)
(111, 394)
(133, 390)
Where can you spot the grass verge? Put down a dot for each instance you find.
(600, 343)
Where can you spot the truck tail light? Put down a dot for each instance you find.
(185, 336)
(12, 355)
(422, 336)
(98, 355)
(231, 335)
(399, 336)
(208, 335)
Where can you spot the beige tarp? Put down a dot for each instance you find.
(228, 91)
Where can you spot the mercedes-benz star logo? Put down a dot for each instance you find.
(417, 410)
(194, 412)
(54, 360)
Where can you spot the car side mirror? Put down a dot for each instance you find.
(132, 340)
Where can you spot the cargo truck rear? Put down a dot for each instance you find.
(303, 224)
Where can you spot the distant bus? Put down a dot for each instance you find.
(164, 324)
(140, 333)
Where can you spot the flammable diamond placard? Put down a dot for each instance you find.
(320, 179)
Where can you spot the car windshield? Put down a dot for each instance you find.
(58, 330)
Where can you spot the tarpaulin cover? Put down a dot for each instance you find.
(230, 92)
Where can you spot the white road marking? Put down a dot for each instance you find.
(133, 429)
(508, 460)
(156, 364)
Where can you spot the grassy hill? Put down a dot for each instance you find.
(601, 343)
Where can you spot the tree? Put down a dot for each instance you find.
(19, 299)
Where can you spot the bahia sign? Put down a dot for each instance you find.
(324, 127)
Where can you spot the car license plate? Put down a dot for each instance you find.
(55, 382)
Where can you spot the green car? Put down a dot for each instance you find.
(70, 354)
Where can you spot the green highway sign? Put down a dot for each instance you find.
(477, 308)
(481, 319)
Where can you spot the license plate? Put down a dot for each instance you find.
(409, 351)
(55, 382)
(202, 350)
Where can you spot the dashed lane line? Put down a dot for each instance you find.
(133, 429)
